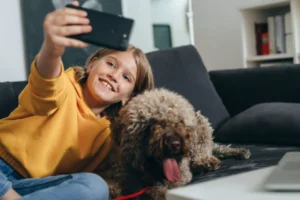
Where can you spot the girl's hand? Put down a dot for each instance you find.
(57, 26)
(62, 23)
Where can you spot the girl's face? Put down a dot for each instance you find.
(111, 79)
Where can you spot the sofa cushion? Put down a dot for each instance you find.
(9, 92)
(181, 70)
(268, 123)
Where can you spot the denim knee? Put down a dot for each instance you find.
(97, 187)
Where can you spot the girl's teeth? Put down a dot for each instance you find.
(107, 85)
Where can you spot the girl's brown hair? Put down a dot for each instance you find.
(144, 78)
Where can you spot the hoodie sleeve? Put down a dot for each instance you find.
(43, 96)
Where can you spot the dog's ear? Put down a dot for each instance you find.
(203, 124)
(133, 147)
(134, 141)
(201, 120)
(204, 132)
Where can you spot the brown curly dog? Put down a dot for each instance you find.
(159, 143)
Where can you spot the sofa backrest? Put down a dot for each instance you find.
(181, 70)
(178, 69)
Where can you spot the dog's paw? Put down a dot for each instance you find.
(206, 165)
(157, 193)
(114, 189)
(225, 151)
(243, 153)
(213, 163)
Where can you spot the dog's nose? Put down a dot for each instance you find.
(174, 144)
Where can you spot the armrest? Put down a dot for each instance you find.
(240, 89)
(9, 96)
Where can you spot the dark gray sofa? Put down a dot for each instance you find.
(255, 108)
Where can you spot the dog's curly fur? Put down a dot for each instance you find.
(155, 126)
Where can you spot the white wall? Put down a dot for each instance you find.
(12, 59)
(217, 26)
(147, 12)
(140, 11)
(172, 12)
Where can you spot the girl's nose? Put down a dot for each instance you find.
(112, 77)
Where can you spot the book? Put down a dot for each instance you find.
(279, 34)
(271, 31)
(288, 33)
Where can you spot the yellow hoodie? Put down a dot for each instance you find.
(53, 131)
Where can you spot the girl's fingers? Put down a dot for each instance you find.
(65, 22)
(70, 19)
(71, 30)
(69, 42)
(75, 3)
(72, 11)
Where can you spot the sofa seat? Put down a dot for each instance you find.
(261, 156)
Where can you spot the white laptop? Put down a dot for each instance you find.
(286, 175)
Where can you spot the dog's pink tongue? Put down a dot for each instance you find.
(171, 170)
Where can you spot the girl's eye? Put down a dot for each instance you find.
(111, 64)
(126, 78)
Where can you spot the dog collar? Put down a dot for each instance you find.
(134, 195)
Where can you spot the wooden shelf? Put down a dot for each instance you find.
(260, 13)
(267, 5)
(270, 57)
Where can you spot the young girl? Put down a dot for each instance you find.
(59, 133)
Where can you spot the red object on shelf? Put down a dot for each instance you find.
(265, 44)
(260, 29)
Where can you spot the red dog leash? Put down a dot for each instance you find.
(131, 196)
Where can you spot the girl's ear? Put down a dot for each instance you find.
(90, 65)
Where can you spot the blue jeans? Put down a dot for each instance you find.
(73, 186)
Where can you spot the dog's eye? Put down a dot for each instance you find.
(188, 136)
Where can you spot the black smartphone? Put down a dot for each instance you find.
(108, 30)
